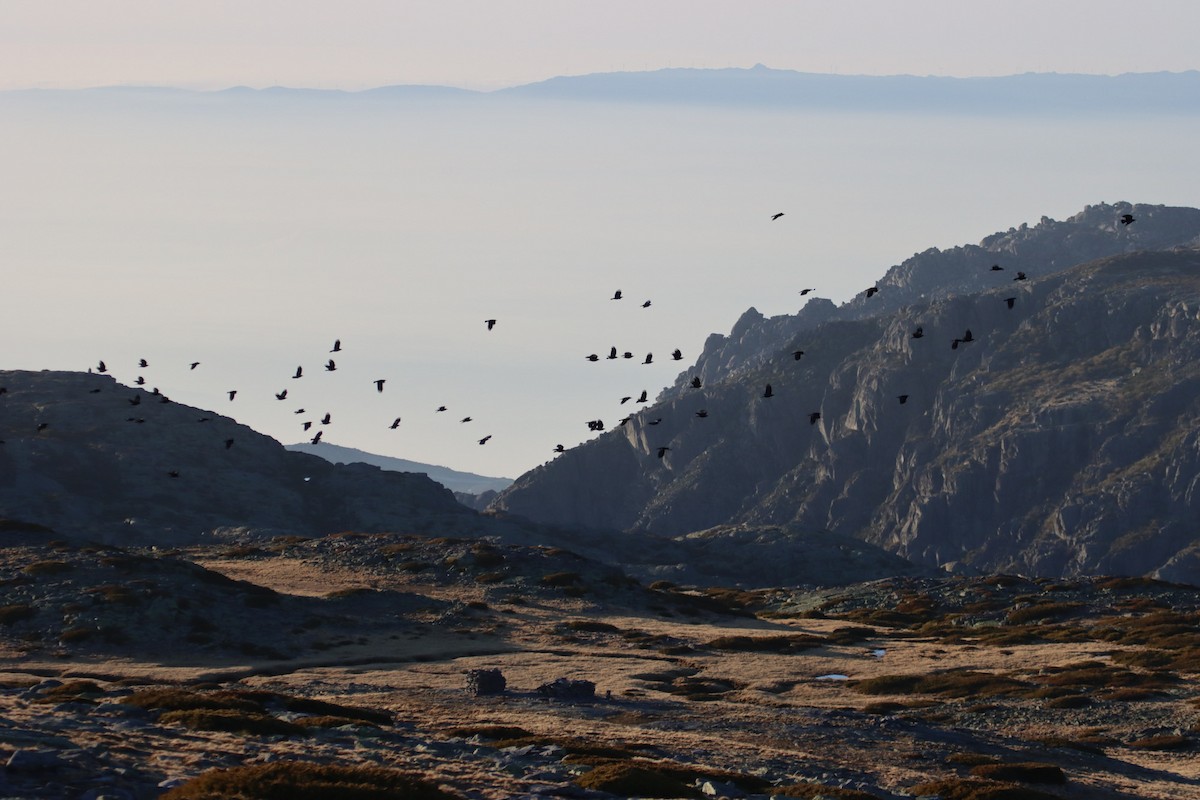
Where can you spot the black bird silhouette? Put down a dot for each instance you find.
(696, 382)
(90, 391)
(649, 358)
(325, 420)
(1008, 301)
(204, 419)
(624, 420)
(872, 290)
(337, 346)
(954, 344)
(903, 398)
(307, 425)
(317, 439)
(42, 426)
(918, 333)
(298, 411)
(1127, 219)
(797, 355)
(997, 268)
(174, 473)
(228, 443)
(677, 354)
(143, 363)
(440, 408)
(140, 381)
(777, 215)
(1020, 276)
(627, 354)
(806, 291)
(465, 419)
(702, 413)
(655, 421)
(596, 425)
(491, 323)
(232, 393)
(154, 391)
(662, 451)
(195, 364)
(968, 336)
(625, 399)
(813, 417)
(299, 373)
(395, 423)
(646, 304)
(101, 367)
(617, 295)
(642, 396)
(281, 395)
(768, 392)
(484, 440)
(379, 385)
(592, 357)
(136, 400)
(558, 448)
(331, 366)
(612, 353)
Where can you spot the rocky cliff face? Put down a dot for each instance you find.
(79, 456)
(1063, 439)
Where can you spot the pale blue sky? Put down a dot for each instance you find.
(358, 44)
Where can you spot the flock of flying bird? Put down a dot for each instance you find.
(593, 425)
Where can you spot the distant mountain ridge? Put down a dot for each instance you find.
(454, 480)
(1060, 440)
(761, 86)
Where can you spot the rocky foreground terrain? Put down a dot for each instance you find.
(369, 665)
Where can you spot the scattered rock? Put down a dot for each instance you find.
(486, 681)
(567, 689)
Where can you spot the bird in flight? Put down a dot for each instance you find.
(317, 439)
(1008, 301)
(903, 398)
(232, 393)
(918, 333)
(307, 425)
(768, 392)
(558, 448)
(298, 411)
(465, 419)
(776, 215)
(696, 382)
(968, 336)
(997, 268)
(625, 399)
(612, 353)
(798, 355)
(379, 385)
(806, 291)
(655, 421)
(1127, 219)
(484, 440)
(299, 373)
(642, 397)
(195, 364)
(627, 354)
(395, 423)
(649, 358)
(646, 304)
(491, 323)
(872, 290)
(281, 395)
(42, 426)
(592, 357)
(617, 295)
(143, 363)
(677, 355)
(140, 381)
(954, 344)
(440, 408)
(702, 413)
(813, 417)
(331, 366)
(101, 367)
(1020, 276)
(325, 420)
(228, 443)
(662, 451)
(337, 346)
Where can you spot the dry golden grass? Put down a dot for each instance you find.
(305, 781)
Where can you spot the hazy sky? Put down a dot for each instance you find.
(356, 44)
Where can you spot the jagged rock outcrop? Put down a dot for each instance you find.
(104, 468)
(1064, 439)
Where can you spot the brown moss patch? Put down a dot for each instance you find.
(292, 780)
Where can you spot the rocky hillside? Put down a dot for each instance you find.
(1061, 439)
(85, 455)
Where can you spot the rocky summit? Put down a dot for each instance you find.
(1043, 421)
